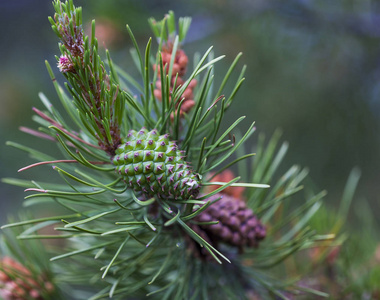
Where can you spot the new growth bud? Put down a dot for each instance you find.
(178, 72)
(96, 92)
(65, 65)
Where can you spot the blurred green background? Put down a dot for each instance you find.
(313, 71)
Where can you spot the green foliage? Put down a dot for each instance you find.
(165, 30)
(96, 93)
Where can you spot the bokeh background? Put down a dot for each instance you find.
(313, 71)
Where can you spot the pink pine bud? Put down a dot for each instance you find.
(187, 106)
(158, 84)
(157, 94)
(179, 81)
(183, 60)
(175, 69)
(193, 83)
(64, 64)
(187, 94)
(166, 58)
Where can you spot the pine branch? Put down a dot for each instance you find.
(137, 197)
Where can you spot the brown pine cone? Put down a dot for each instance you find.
(238, 226)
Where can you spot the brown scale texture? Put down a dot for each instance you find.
(238, 226)
(179, 68)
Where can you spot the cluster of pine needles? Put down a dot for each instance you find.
(145, 202)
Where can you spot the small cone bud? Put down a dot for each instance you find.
(64, 64)
(157, 94)
(178, 71)
(187, 105)
(193, 83)
(188, 93)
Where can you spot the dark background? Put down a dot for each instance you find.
(313, 71)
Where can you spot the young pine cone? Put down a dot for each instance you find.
(187, 96)
(17, 282)
(238, 226)
(178, 71)
(153, 165)
(179, 64)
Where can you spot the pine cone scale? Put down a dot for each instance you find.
(238, 226)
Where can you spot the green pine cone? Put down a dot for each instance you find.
(153, 165)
